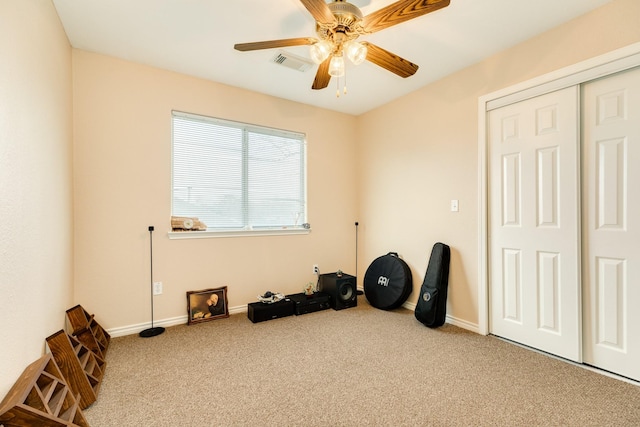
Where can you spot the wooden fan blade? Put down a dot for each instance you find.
(400, 11)
(270, 44)
(390, 61)
(322, 75)
(319, 10)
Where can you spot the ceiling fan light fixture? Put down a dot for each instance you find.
(336, 66)
(320, 51)
(338, 24)
(356, 52)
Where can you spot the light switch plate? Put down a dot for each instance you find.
(157, 288)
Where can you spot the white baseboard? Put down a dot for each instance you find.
(464, 324)
(181, 320)
(165, 323)
(137, 328)
(410, 306)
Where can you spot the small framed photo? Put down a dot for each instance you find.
(207, 304)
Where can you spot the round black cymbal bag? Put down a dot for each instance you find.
(388, 282)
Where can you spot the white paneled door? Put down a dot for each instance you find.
(534, 230)
(611, 223)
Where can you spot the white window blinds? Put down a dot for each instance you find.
(237, 176)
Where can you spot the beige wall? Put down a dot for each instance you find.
(418, 153)
(35, 182)
(122, 125)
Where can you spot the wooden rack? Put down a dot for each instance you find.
(88, 331)
(41, 397)
(82, 369)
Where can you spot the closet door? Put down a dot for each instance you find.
(534, 274)
(611, 223)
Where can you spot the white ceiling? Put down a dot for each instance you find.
(196, 37)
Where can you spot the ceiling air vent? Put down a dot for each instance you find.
(292, 61)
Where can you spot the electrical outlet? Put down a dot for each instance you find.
(157, 288)
(316, 269)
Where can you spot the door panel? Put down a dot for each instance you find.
(534, 236)
(611, 225)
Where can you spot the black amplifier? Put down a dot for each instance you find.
(260, 311)
(310, 303)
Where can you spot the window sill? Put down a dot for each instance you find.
(209, 234)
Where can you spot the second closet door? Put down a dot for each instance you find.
(611, 223)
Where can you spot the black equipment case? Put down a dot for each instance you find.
(431, 308)
(388, 282)
(310, 303)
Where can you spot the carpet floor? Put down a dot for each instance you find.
(355, 367)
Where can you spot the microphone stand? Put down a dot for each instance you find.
(358, 291)
(152, 331)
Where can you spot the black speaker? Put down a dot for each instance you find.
(259, 311)
(341, 289)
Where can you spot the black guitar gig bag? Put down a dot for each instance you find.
(431, 308)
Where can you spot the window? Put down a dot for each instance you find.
(235, 176)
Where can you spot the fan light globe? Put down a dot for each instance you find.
(356, 52)
(336, 67)
(320, 51)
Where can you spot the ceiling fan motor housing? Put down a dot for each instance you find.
(346, 14)
(347, 24)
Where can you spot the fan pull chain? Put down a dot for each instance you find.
(338, 84)
(345, 80)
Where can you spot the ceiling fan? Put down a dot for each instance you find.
(339, 24)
